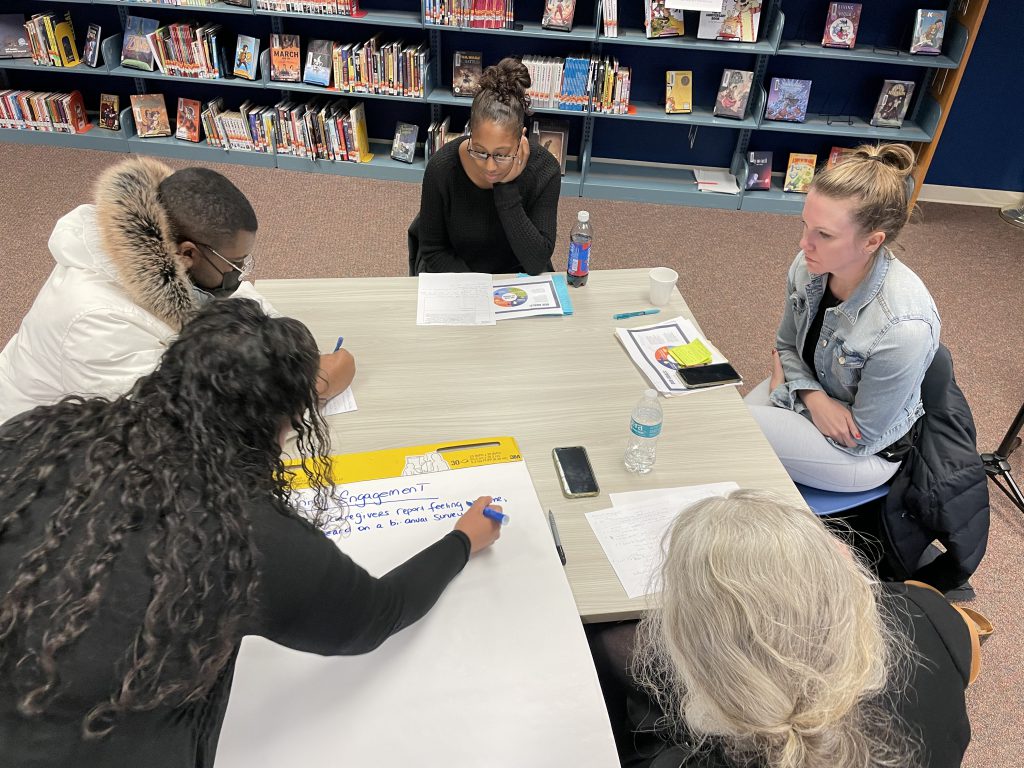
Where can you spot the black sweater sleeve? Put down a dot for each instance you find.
(436, 252)
(531, 233)
(312, 597)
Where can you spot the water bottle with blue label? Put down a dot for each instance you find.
(581, 236)
(644, 428)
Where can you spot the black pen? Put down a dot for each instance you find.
(558, 540)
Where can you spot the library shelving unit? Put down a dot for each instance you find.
(645, 155)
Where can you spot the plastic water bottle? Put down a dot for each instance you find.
(644, 428)
(580, 238)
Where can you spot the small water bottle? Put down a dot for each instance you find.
(580, 238)
(644, 428)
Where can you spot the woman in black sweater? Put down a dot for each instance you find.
(140, 539)
(490, 200)
(775, 648)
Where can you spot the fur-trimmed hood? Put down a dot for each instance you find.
(137, 237)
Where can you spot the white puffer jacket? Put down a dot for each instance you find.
(116, 298)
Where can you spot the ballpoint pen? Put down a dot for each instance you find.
(558, 539)
(624, 315)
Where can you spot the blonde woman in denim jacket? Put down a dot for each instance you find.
(858, 331)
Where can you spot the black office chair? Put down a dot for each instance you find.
(413, 236)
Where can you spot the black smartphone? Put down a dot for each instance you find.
(574, 472)
(709, 375)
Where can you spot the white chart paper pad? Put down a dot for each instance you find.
(497, 674)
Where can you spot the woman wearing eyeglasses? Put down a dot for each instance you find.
(141, 538)
(130, 270)
(490, 200)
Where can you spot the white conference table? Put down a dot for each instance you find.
(547, 382)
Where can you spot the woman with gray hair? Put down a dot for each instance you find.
(774, 647)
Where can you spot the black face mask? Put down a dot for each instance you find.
(229, 282)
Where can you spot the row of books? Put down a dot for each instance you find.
(611, 83)
(799, 170)
(320, 7)
(43, 111)
(738, 21)
(476, 14)
(181, 50)
(193, 3)
(557, 83)
(843, 22)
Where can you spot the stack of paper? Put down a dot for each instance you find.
(648, 347)
(454, 298)
(632, 532)
(716, 181)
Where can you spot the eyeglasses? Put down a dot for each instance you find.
(483, 157)
(248, 263)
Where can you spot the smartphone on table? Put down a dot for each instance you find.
(699, 376)
(574, 472)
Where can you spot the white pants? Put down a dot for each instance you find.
(805, 453)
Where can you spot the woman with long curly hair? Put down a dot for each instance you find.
(774, 647)
(490, 200)
(141, 538)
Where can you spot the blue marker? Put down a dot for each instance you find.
(625, 315)
(499, 517)
(341, 340)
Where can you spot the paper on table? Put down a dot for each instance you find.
(627, 498)
(631, 535)
(648, 347)
(454, 298)
(525, 297)
(342, 403)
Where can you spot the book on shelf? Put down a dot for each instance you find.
(361, 142)
(318, 62)
(51, 40)
(929, 28)
(187, 128)
(467, 69)
(247, 51)
(572, 96)
(189, 50)
(390, 69)
(733, 93)
(319, 7)
(679, 91)
(91, 51)
(610, 17)
(841, 25)
(437, 136)
(558, 14)
(662, 21)
(892, 103)
(14, 37)
(545, 80)
(738, 21)
(475, 14)
(553, 135)
(759, 170)
(610, 85)
(150, 113)
(110, 111)
(799, 172)
(285, 58)
(787, 100)
(403, 148)
(48, 112)
(837, 154)
(135, 48)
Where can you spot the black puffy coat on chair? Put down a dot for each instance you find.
(940, 491)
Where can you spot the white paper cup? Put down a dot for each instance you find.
(662, 281)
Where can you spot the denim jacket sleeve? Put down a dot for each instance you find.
(798, 375)
(891, 379)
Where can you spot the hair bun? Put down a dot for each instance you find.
(899, 157)
(508, 80)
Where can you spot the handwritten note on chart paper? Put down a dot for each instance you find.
(497, 674)
(632, 534)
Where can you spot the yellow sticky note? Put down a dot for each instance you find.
(694, 353)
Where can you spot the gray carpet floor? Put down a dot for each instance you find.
(732, 268)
